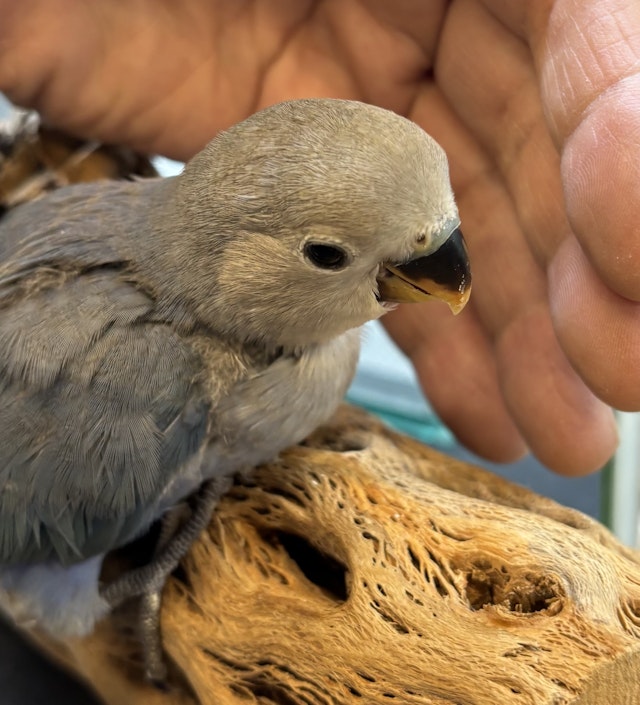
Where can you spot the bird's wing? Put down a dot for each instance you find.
(99, 409)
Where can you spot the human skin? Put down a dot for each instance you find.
(538, 106)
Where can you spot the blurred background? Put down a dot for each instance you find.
(385, 384)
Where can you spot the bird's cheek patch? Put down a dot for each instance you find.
(252, 264)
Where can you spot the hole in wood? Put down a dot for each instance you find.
(522, 594)
(325, 571)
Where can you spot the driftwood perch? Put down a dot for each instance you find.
(368, 568)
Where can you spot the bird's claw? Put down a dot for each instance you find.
(147, 582)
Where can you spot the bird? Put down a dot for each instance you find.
(160, 335)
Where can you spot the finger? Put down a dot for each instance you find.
(531, 167)
(456, 368)
(487, 75)
(599, 329)
(601, 172)
(567, 427)
(545, 397)
(591, 87)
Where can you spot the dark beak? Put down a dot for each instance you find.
(444, 274)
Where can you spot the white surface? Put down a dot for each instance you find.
(167, 167)
(625, 486)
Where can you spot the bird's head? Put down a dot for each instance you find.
(314, 216)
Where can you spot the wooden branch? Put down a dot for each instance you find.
(35, 158)
(368, 568)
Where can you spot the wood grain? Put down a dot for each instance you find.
(365, 567)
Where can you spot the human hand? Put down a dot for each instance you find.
(539, 115)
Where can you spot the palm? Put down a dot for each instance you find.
(165, 78)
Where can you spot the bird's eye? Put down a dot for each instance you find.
(325, 256)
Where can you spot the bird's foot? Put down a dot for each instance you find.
(146, 583)
(155, 668)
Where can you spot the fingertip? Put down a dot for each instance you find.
(567, 428)
(500, 442)
(598, 330)
(601, 173)
(579, 458)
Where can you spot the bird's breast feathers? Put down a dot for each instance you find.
(282, 403)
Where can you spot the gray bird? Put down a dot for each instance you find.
(160, 334)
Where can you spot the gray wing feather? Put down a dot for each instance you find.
(99, 408)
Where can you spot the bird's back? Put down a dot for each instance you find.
(100, 402)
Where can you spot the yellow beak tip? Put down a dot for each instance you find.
(456, 304)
